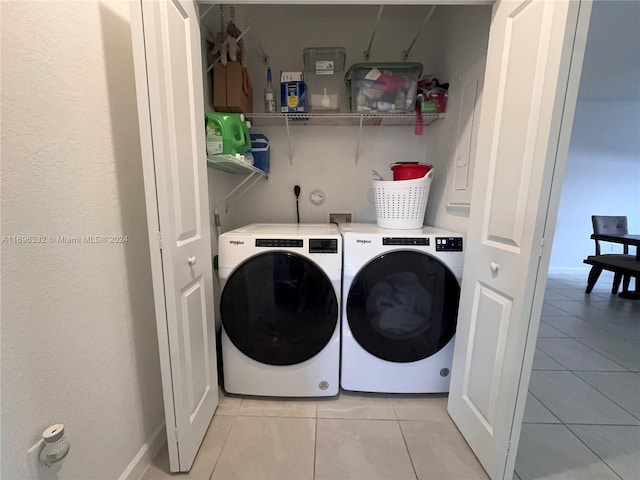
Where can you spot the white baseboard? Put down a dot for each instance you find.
(135, 470)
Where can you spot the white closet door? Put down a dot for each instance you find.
(166, 41)
(527, 111)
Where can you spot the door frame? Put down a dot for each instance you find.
(566, 120)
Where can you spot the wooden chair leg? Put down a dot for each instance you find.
(594, 273)
(617, 278)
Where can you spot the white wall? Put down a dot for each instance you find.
(78, 329)
(603, 166)
(602, 178)
(463, 36)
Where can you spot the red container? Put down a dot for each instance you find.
(410, 170)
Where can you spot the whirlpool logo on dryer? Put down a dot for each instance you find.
(236, 242)
(362, 242)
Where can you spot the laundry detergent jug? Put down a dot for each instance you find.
(227, 133)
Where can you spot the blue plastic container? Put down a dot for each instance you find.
(261, 151)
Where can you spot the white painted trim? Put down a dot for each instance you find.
(141, 462)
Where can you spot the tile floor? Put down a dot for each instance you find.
(582, 419)
(354, 436)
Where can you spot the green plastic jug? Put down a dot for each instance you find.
(227, 133)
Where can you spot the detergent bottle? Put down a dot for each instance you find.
(226, 133)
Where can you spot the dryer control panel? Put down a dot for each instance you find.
(448, 244)
(424, 241)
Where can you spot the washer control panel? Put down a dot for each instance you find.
(323, 245)
(279, 242)
(448, 244)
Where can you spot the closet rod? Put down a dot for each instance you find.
(373, 34)
(405, 53)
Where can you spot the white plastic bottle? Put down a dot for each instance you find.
(269, 95)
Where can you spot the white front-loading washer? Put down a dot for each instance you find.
(280, 309)
(401, 290)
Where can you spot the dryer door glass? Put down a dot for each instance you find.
(403, 306)
(279, 308)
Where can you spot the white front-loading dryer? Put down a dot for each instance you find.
(280, 309)
(401, 290)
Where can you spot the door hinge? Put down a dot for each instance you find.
(176, 434)
(160, 240)
(508, 446)
(541, 245)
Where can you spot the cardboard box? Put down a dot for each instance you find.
(232, 90)
(219, 87)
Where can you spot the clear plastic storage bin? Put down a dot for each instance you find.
(383, 87)
(323, 68)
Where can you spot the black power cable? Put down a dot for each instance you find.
(296, 192)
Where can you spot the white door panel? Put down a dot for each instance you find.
(523, 103)
(168, 66)
(483, 371)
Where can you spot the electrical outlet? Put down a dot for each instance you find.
(302, 188)
(340, 217)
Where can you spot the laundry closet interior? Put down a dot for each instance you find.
(334, 154)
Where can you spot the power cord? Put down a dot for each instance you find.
(296, 192)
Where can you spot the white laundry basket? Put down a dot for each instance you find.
(401, 204)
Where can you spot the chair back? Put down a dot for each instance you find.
(605, 224)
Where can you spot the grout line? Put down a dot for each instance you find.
(605, 395)
(577, 339)
(224, 444)
(406, 446)
(592, 451)
(258, 415)
(572, 372)
(548, 409)
(366, 419)
(602, 424)
(315, 446)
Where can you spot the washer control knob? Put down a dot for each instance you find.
(494, 267)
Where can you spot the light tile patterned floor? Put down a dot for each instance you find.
(582, 419)
(354, 436)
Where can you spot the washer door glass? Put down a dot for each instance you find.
(403, 306)
(279, 308)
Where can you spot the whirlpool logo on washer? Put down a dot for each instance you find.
(362, 242)
(236, 242)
